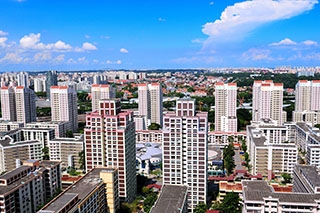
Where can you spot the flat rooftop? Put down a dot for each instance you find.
(311, 172)
(259, 190)
(60, 203)
(172, 199)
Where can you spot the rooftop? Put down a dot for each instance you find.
(172, 199)
(259, 190)
(311, 173)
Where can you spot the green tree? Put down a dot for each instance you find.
(201, 208)
(286, 177)
(149, 201)
(228, 160)
(244, 146)
(317, 126)
(69, 134)
(45, 153)
(231, 203)
(154, 126)
(82, 160)
(146, 190)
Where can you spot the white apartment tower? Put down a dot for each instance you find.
(100, 92)
(268, 101)
(307, 108)
(64, 105)
(226, 107)
(150, 102)
(18, 104)
(23, 79)
(185, 151)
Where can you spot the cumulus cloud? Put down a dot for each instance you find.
(3, 41)
(197, 41)
(88, 46)
(11, 58)
(32, 41)
(161, 19)
(310, 43)
(2, 33)
(285, 41)
(238, 20)
(59, 58)
(211, 3)
(87, 36)
(123, 50)
(82, 58)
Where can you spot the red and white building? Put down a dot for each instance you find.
(99, 92)
(185, 150)
(110, 142)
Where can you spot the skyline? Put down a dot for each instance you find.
(151, 35)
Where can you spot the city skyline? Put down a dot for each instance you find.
(123, 35)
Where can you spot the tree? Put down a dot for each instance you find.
(69, 134)
(286, 177)
(154, 126)
(231, 203)
(201, 208)
(228, 161)
(149, 201)
(244, 146)
(45, 152)
(317, 126)
(146, 190)
(82, 160)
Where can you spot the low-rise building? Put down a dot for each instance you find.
(172, 198)
(223, 138)
(97, 191)
(60, 127)
(270, 151)
(13, 153)
(67, 151)
(151, 136)
(148, 155)
(6, 126)
(26, 188)
(306, 179)
(258, 196)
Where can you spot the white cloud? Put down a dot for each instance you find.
(105, 37)
(88, 46)
(87, 36)
(114, 62)
(285, 41)
(59, 58)
(62, 46)
(3, 41)
(42, 56)
(2, 33)
(257, 54)
(32, 41)
(82, 58)
(241, 18)
(310, 43)
(95, 61)
(71, 61)
(162, 19)
(195, 59)
(198, 41)
(12, 58)
(123, 50)
(211, 3)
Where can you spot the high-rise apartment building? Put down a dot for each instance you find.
(39, 85)
(51, 80)
(18, 104)
(99, 92)
(110, 142)
(185, 152)
(307, 107)
(226, 107)
(23, 79)
(268, 101)
(151, 102)
(64, 105)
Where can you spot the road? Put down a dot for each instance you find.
(238, 161)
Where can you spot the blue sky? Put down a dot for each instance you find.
(96, 34)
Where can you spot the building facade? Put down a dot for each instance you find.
(267, 101)
(226, 107)
(64, 105)
(110, 141)
(100, 92)
(185, 152)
